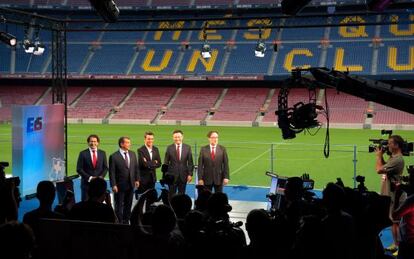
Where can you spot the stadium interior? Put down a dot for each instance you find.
(200, 63)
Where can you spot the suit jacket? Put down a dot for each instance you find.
(119, 174)
(85, 168)
(213, 172)
(147, 166)
(182, 168)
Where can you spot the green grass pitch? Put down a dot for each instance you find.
(252, 151)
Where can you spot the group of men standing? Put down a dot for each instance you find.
(129, 171)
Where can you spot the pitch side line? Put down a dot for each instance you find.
(248, 163)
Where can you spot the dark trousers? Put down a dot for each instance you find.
(179, 186)
(84, 191)
(217, 188)
(143, 187)
(123, 203)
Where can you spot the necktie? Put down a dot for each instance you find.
(94, 158)
(178, 152)
(126, 159)
(213, 154)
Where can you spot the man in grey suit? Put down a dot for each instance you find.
(179, 159)
(123, 175)
(213, 164)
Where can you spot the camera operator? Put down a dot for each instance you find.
(224, 238)
(391, 172)
(406, 213)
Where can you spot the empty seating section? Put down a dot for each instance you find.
(243, 61)
(98, 102)
(308, 34)
(145, 103)
(75, 61)
(110, 59)
(241, 104)
(22, 95)
(156, 59)
(72, 93)
(388, 115)
(270, 112)
(166, 52)
(5, 53)
(192, 104)
(353, 57)
(345, 108)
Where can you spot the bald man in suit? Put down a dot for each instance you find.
(213, 164)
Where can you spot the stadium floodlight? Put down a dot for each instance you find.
(8, 39)
(107, 9)
(206, 51)
(39, 48)
(28, 46)
(292, 7)
(260, 49)
(378, 5)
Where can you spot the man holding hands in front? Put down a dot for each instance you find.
(179, 159)
(123, 175)
(213, 164)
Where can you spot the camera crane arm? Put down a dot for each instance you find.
(370, 90)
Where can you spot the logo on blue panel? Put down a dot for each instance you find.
(34, 124)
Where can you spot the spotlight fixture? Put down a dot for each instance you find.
(8, 39)
(39, 48)
(28, 46)
(206, 49)
(260, 49)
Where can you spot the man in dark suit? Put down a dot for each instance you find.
(179, 159)
(149, 160)
(91, 164)
(123, 175)
(213, 164)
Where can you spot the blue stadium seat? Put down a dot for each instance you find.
(356, 54)
(243, 61)
(5, 52)
(76, 56)
(394, 58)
(199, 68)
(145, 65)
(302, 54)
(110, 59)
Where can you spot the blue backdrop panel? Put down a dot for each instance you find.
(38, 144)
